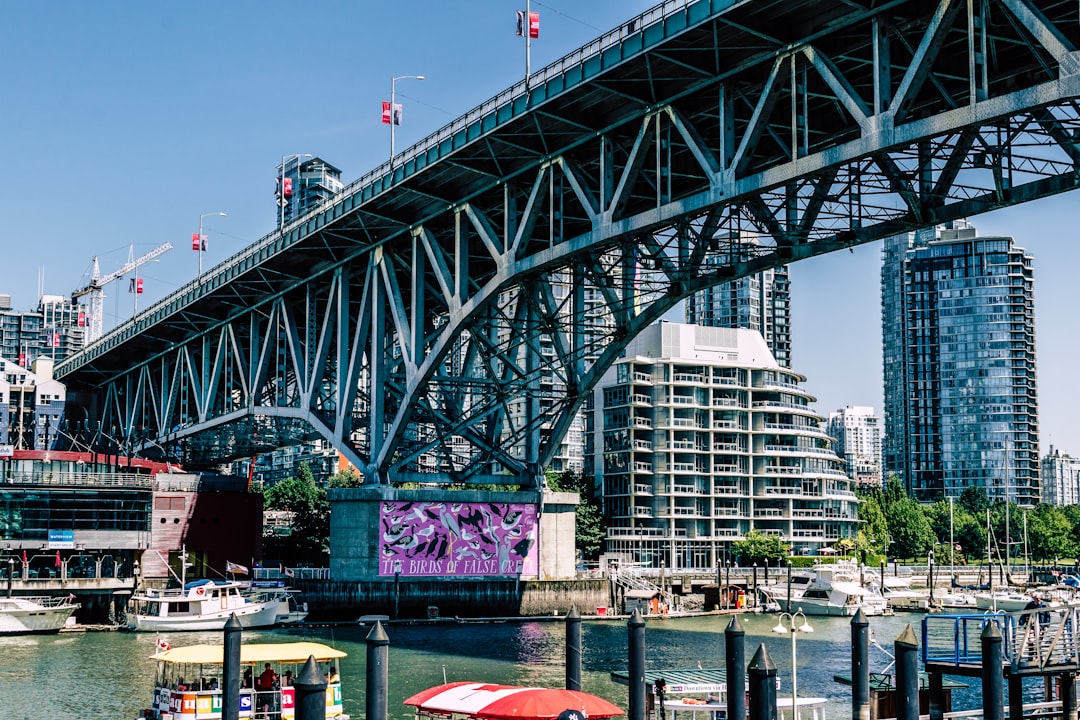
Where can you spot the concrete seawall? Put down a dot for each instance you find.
(329, 600)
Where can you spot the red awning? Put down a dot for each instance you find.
(507, 702)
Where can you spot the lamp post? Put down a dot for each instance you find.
(788, 623)
(282, 202)
(393, 82)
(202, 242)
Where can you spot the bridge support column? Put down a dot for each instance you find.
(1016, 697)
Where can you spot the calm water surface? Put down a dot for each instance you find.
(108, 675)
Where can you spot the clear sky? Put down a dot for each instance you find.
(123, 122)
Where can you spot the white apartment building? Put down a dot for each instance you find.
(700, 436)
(856, 433)
(1060, 478)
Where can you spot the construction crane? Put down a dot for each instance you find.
(97, 284)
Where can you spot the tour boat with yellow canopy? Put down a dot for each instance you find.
(187, 685)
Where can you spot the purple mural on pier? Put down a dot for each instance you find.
(457, 539)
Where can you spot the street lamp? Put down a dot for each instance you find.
(788, 623)
(281, 186)
(393, 119)
(202, 239)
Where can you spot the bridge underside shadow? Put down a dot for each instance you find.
(447, 318)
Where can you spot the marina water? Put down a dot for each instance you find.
(109, 675)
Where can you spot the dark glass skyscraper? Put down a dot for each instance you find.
(958, 327)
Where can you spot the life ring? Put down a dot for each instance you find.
(200, 591)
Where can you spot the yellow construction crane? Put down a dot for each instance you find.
(98, 282)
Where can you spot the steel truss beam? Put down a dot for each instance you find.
(453, 326)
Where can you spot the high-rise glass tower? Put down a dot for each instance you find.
(958, 328)
(759, 302)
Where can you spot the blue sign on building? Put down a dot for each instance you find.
(61, 539)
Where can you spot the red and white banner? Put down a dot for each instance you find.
(56, 340)
(135, 285)
(198, 242)
(534, 24)
(82, 319)
(389, 115)
(287, 184)
(385, 113)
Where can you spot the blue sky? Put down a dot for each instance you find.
(123, 122)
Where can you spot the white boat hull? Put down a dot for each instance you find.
(1007, 602)
(25, 619)
(255, 615)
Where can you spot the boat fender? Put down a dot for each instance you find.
(200, 591)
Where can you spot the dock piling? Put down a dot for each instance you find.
(907, 675)
(310, 687)
(573, 649)
(1067, 684)
(762, 673)
(636, 641)
(735, 664)
(230, 669)
(992, 677)
(378, 673)
(860, 666)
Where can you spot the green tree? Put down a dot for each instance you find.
(757, 547)
(973, 498)
(874, 526)
(591, 528)
(347, 478)
(1050, 534)
(310, 537)
(910, 530)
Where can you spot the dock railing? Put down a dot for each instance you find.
(1034, 641)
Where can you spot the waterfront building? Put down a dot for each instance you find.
(313, 182)
(1060, 478)
(56, 329)
(701, 436)
(958, 328)
(856, 434)
(283, 463)
(31, 406)
(760, 302)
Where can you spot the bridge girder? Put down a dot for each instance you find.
(452, 316)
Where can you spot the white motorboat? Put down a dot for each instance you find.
(836, 590)
(291, 607)
(203, 605)
(899, 596)
(1004, 600)
(956, 601)
(25, 615)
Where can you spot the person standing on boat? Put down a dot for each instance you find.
(265, 686)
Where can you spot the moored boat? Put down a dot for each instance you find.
(485, 701)
(27, 615)
(187, 684)
(1004, 600)
(203, 605)
(836, 590)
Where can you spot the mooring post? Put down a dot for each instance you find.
(907, 675)
(636, 642)
(378, 673)
(397, 592)
(230, 670)
(1067, 685)
(762, 675)
(992, 673)
(860, 666)
(788, 608)
(735, 662)
(573, 649)
(310, 687)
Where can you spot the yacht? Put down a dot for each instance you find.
(203, 605)
(1005, 600)
(899, 596)
(25, 615)
(836, 589)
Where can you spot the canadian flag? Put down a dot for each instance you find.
(163, 645)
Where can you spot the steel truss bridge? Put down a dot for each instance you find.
(446, 317)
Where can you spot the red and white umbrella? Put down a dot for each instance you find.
(507, 702)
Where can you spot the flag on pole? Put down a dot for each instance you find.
(198, 242)
(289, 572)
(385, 112)
(82, 319)
(231, 567)
(533, 26)
(391, 115)
(59, 562)
(163, 645)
